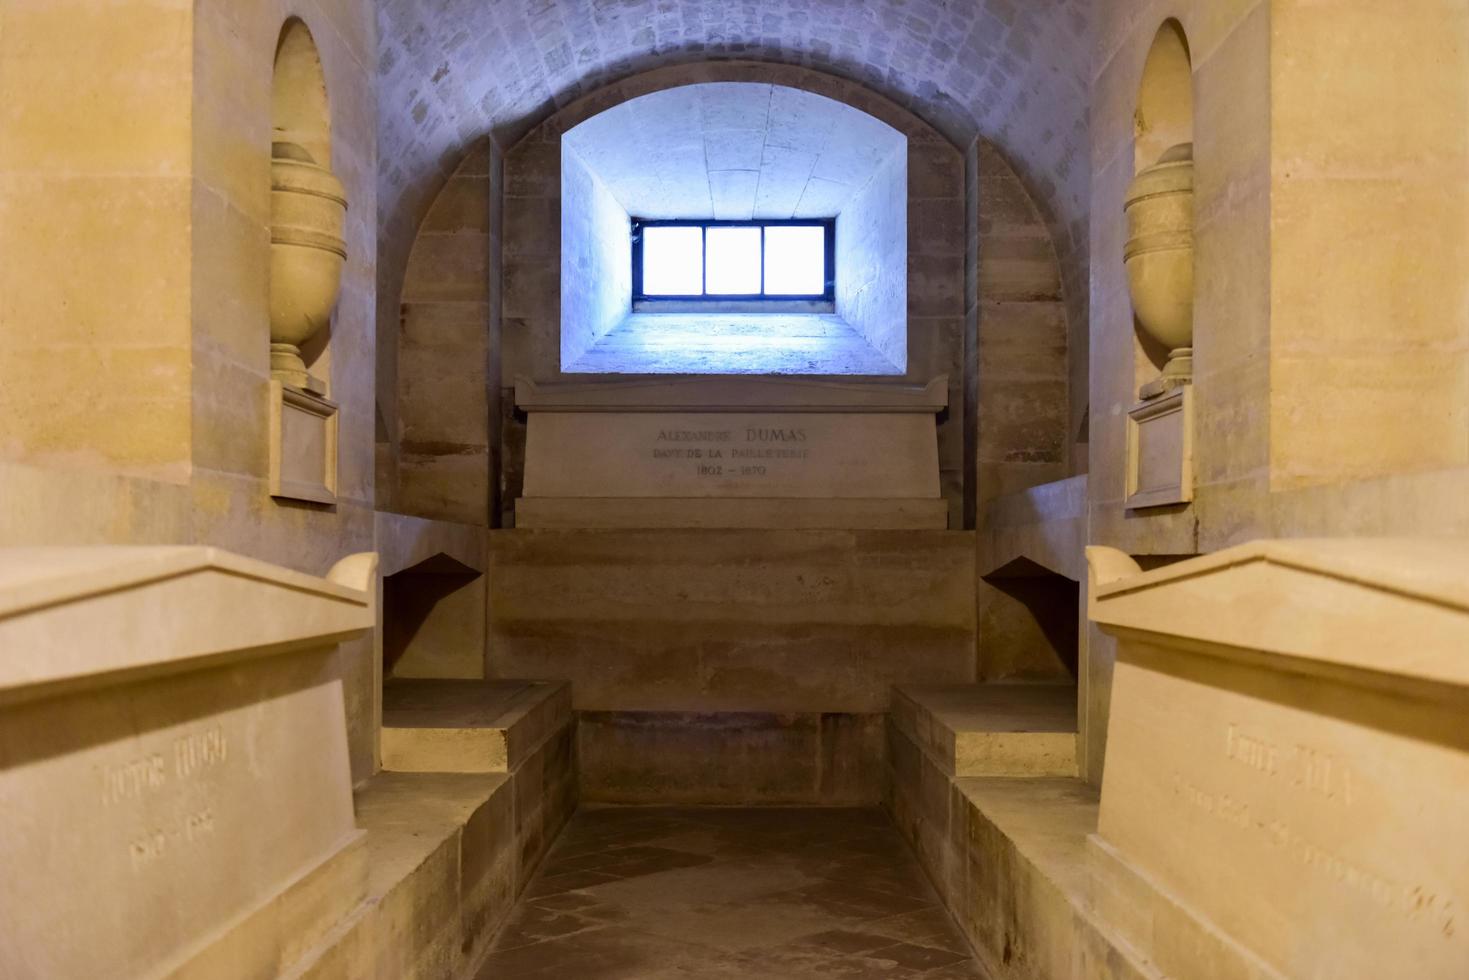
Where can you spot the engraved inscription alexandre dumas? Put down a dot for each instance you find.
(732, 452)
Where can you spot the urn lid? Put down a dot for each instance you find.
(294, 169)
(1172, 174)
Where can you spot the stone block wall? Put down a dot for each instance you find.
(1331, 333)
(96, 194)
(1024, 432)
(1369, 301)
(872, 261)
(445, 347)
(731, 620)
(731, 758)
(732, 666)
(596, 258)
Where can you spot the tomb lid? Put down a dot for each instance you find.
(77, 617)
(732, 394)
(1397, 607)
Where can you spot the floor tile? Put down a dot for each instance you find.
(671, 893)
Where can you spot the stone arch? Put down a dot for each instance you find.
(1013, 353)
(843, 90)
(1017, 73)
(439, 459)
(1022, 374)
(530, 302)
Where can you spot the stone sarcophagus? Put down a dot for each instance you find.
(720, 452)
(174, 777)
(1287, 770)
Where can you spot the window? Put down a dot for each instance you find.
(767, 261)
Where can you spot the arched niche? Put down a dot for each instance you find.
(1163, 120)
(741, 151)
(308, 252)
(1159, 258)
(531, 194)
(533, 191)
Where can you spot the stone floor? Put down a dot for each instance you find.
(777, 894)
(733, 343)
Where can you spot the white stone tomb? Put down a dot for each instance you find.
(732, 452)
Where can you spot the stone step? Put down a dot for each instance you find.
(992, 729)
(525, 729)
(1009, 855)
(1027, 898)
(444, 859)
(469, 725)
(731, 757)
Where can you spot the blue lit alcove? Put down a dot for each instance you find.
(744, 152)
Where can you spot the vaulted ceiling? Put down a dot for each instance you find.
(734, 150)
(1013, 71)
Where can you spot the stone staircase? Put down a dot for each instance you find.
(478, 779)
(724, 667)
(522, 729)
(941, 737)
(480, 775)
(982, 780)
(736, 667)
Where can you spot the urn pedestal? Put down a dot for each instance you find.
(1160, 449)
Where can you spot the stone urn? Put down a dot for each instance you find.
(308, 208)
(1159, 255)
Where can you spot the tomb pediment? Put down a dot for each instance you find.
(1309, 600)
(88, 616)
(732, 394)
(181, 710)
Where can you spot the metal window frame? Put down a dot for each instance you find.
(828, 226)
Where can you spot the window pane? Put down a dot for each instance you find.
(672, 261)
(734, 261)
(795, 260)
